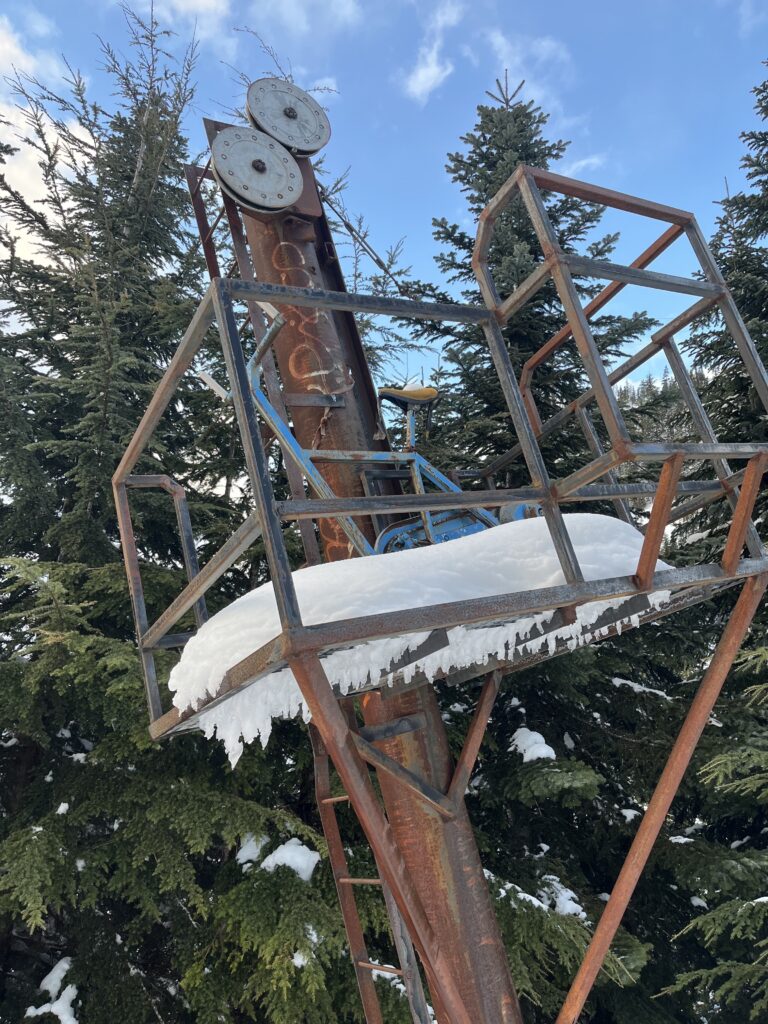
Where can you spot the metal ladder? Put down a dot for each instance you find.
(364, 968)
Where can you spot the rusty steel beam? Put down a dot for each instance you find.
(357, 948)
(657, 524)
(661, 801)
(742, 515)
(443, 860)
(549, 181)
(381, 834)
(594, 306)
(466, 762)
(255, 318)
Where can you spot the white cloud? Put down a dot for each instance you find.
(211, 21)
(432, 68)
(304, 17)
(544, 63)
(38, 24)
(22, 169)
(13, 55)
(574, 168)
(750, 13)
(326, 84)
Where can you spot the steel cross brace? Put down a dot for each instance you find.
(666, 788)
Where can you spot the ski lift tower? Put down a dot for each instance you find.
(298, 379)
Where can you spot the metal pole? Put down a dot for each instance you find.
(698, 716)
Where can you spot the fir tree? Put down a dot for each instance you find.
(118, 858)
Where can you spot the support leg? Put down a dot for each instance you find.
(334, 730)
(668, 784)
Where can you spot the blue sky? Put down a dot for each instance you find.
(653, 95)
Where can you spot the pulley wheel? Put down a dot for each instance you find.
(288, 114)
(255, 170)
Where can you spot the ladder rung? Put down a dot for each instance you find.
(384, 968)
(346, 880)
(334, 799)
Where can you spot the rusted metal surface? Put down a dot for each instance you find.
(663, 795)
(742, 514)
(338, 859)
(405, 888)
(442, 858)
(474, 738)
(594, 306)
(255, 315)
(658, 521)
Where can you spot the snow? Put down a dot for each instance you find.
(512, 557)
(62, 808)
(697, 901)
(59, 1005)
(553, 895)
(680, 839)
(629, 813)
(531, 745)
(639, 688)
(51, 983)
(568, 741)
(299, 960)
(562, 899)
(250, 850)
(295, 855)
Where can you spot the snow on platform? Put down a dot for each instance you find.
(512, 557)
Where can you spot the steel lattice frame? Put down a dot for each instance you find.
(301, 647)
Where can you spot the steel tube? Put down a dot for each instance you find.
(136, 591)
(320, 298)
(466, 762)
(707, 433)
(175, 722)
(583, 267)
(658, 808)
(357, 948)
(158, 403)
(742, 516)
(657, 524)
(704, 452)
(595, 305)
(245, 535)
(524, 291)
(256, 460)
(508, 606)
(548, 180)
(533, 457)
(731, 315)
(594, 445)
(403, 503)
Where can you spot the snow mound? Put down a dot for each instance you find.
(294, 855)
(531, 745)
(512, 557)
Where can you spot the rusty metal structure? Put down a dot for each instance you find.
(319, 405)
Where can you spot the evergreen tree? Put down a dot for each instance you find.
(118, 866)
